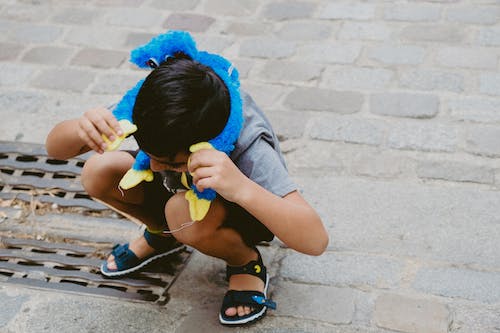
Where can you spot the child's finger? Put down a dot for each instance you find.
(89, 141)
(205, 183)
(202, 172)
(92, 133)
(99, 122)
(112, 122)
(203, 158)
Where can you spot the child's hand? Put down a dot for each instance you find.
(214, 169)
(93, 124)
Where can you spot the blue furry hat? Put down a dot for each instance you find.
(151, 55)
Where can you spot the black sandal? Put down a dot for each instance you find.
(252, 298)
(127, 262)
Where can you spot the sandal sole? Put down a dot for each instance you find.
(259, 315)
(141, 265)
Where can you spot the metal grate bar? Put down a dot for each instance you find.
(63, 202)
(72, 287)
(83, 276)
(11, 162)
(49, 258)
(77, 249)
(27, 262)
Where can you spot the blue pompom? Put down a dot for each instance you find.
(164, 45)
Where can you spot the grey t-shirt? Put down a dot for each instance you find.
(257, 154)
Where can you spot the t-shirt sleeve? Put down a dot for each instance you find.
(264, 165)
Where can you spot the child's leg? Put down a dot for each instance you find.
(207, 237)
(100, 178)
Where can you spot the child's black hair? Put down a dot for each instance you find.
(180, 103)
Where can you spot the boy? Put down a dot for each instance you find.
(183, 102)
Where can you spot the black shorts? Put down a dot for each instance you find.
(237, 218)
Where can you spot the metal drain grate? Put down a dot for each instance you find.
(26, 172)
(74, 268)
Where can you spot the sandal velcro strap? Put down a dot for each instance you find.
(250, 298)
(254, 267)
(124, 257)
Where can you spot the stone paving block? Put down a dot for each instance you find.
(370, 132)
(412, 12)
(459, 282)
(313, 158)
(266, 47)
(340, 269)
(19, 102)
(474, 14)
(306, 31)
(404, 105)
(324, 100)
(455, 171)
(190, 22)
(113, 315)
(76, 15)
(31, 33)
(15, 74)
(483, 140)
(109, 38)
(356, 11)
(231, 8)
(290, 71)
(402, 218)
(352, 30)
(433, 33)
(425, 137)
(115, 84)
(489, 36)
(470, 317)
(432, 80)
(288, 10)
(378, 164)
(64, 79)
(354, 78)
(397, 54)
(50, 55)
(213, 44)
(31, 11)
(266, 95)
(489, 83)
(134, 39)
(135, 17)
(342, 53)
(479, 109)
(406, 314)
(248, 28)
(469, 58)
(119, 3)
(244, 67)
(99, 58)
(175, 4)
(15, 303)
(288, 124)
(308, 302)
(10, 51)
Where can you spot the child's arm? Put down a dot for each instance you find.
(77, 136)
(290, 218)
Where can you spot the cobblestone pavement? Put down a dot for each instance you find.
(389, 114)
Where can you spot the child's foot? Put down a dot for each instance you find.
(246, 299)
(243, 282)
(129, 258)
(140, 248)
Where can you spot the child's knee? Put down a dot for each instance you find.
(177, 214)
(95, 174)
